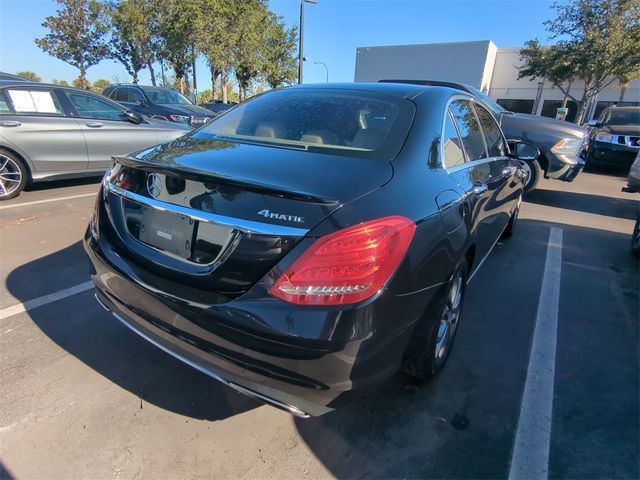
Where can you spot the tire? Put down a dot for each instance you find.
(535, 174)
(635, 239)
(431, 355)
(13, 175)
(508, 231)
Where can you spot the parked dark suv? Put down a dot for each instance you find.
(218, 106)
(562, 144)
(615, 137)
(161, 103)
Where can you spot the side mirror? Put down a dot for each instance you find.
(523, 150)
(133, 117)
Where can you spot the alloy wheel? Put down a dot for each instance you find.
(450, 318)
(10, 176)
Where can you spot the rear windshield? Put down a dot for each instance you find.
(340, 122)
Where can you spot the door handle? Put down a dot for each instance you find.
(10, 123)
(94, 124)
(479, 188)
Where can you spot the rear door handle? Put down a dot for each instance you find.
(10, 123)
(479, 188)
(94, 124)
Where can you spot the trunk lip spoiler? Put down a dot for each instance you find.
(247, 226)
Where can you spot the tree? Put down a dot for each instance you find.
(99, 85)
(132, 38)
(179, 22)
(248, 49)
(597, 41)
(29, 75)
(217, 37)
(280, 53)
(77, 34)
(62, 83)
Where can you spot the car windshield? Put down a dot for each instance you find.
(166, 96)
(624, 117)
(491, 103)
(335, 121)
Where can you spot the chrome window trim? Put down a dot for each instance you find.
(247, 226)
(467, 163)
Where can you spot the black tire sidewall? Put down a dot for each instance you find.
(535, 174)
(23, 171)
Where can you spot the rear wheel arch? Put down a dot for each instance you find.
(26, 162)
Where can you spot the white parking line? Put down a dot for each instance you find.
(36, 202)
(530, 457)
(44, 300)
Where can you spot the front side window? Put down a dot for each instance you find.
(469, 129)
(492, 133)
(34, 101)
(120, 95)
(135, 96)
(334, 121)
(4, 105)
(451, 144)
(89, 106)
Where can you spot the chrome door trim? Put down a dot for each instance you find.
(247, 226)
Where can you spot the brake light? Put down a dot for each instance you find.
(347, 266)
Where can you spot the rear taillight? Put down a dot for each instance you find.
(347, 266)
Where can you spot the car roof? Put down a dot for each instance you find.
(405, 90)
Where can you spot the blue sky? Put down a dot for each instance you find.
(333, 31)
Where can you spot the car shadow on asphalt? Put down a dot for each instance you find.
(586, 202)
(83, 329)
(53, 184)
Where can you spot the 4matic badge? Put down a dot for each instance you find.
(280, 216)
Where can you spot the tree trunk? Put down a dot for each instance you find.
(151, 72)
(623, 90)
(566, 96)
(223, 86)
(135, 77)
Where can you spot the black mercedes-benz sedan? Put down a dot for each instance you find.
(312, 241)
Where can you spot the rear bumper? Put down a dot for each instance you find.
(315, 362)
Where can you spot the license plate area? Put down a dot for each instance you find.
(167, 231)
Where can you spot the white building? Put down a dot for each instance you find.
(483, 65)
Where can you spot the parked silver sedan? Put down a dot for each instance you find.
(51, 132)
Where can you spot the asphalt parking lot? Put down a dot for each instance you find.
(83, 397)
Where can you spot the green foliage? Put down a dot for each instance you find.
(29, 75)
(597, 41)
(99, 85)
(81, 82)
(77, 34)
(133, 36)
(280, 64)
(205, 96)
(62, 83)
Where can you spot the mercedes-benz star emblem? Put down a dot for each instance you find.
(154, 184)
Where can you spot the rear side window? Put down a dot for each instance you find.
(35, 101)
(340, 122)
(452, 151)
(492, 134)
(469, 129)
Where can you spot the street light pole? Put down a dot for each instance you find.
(301, 39)
(325, 67)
